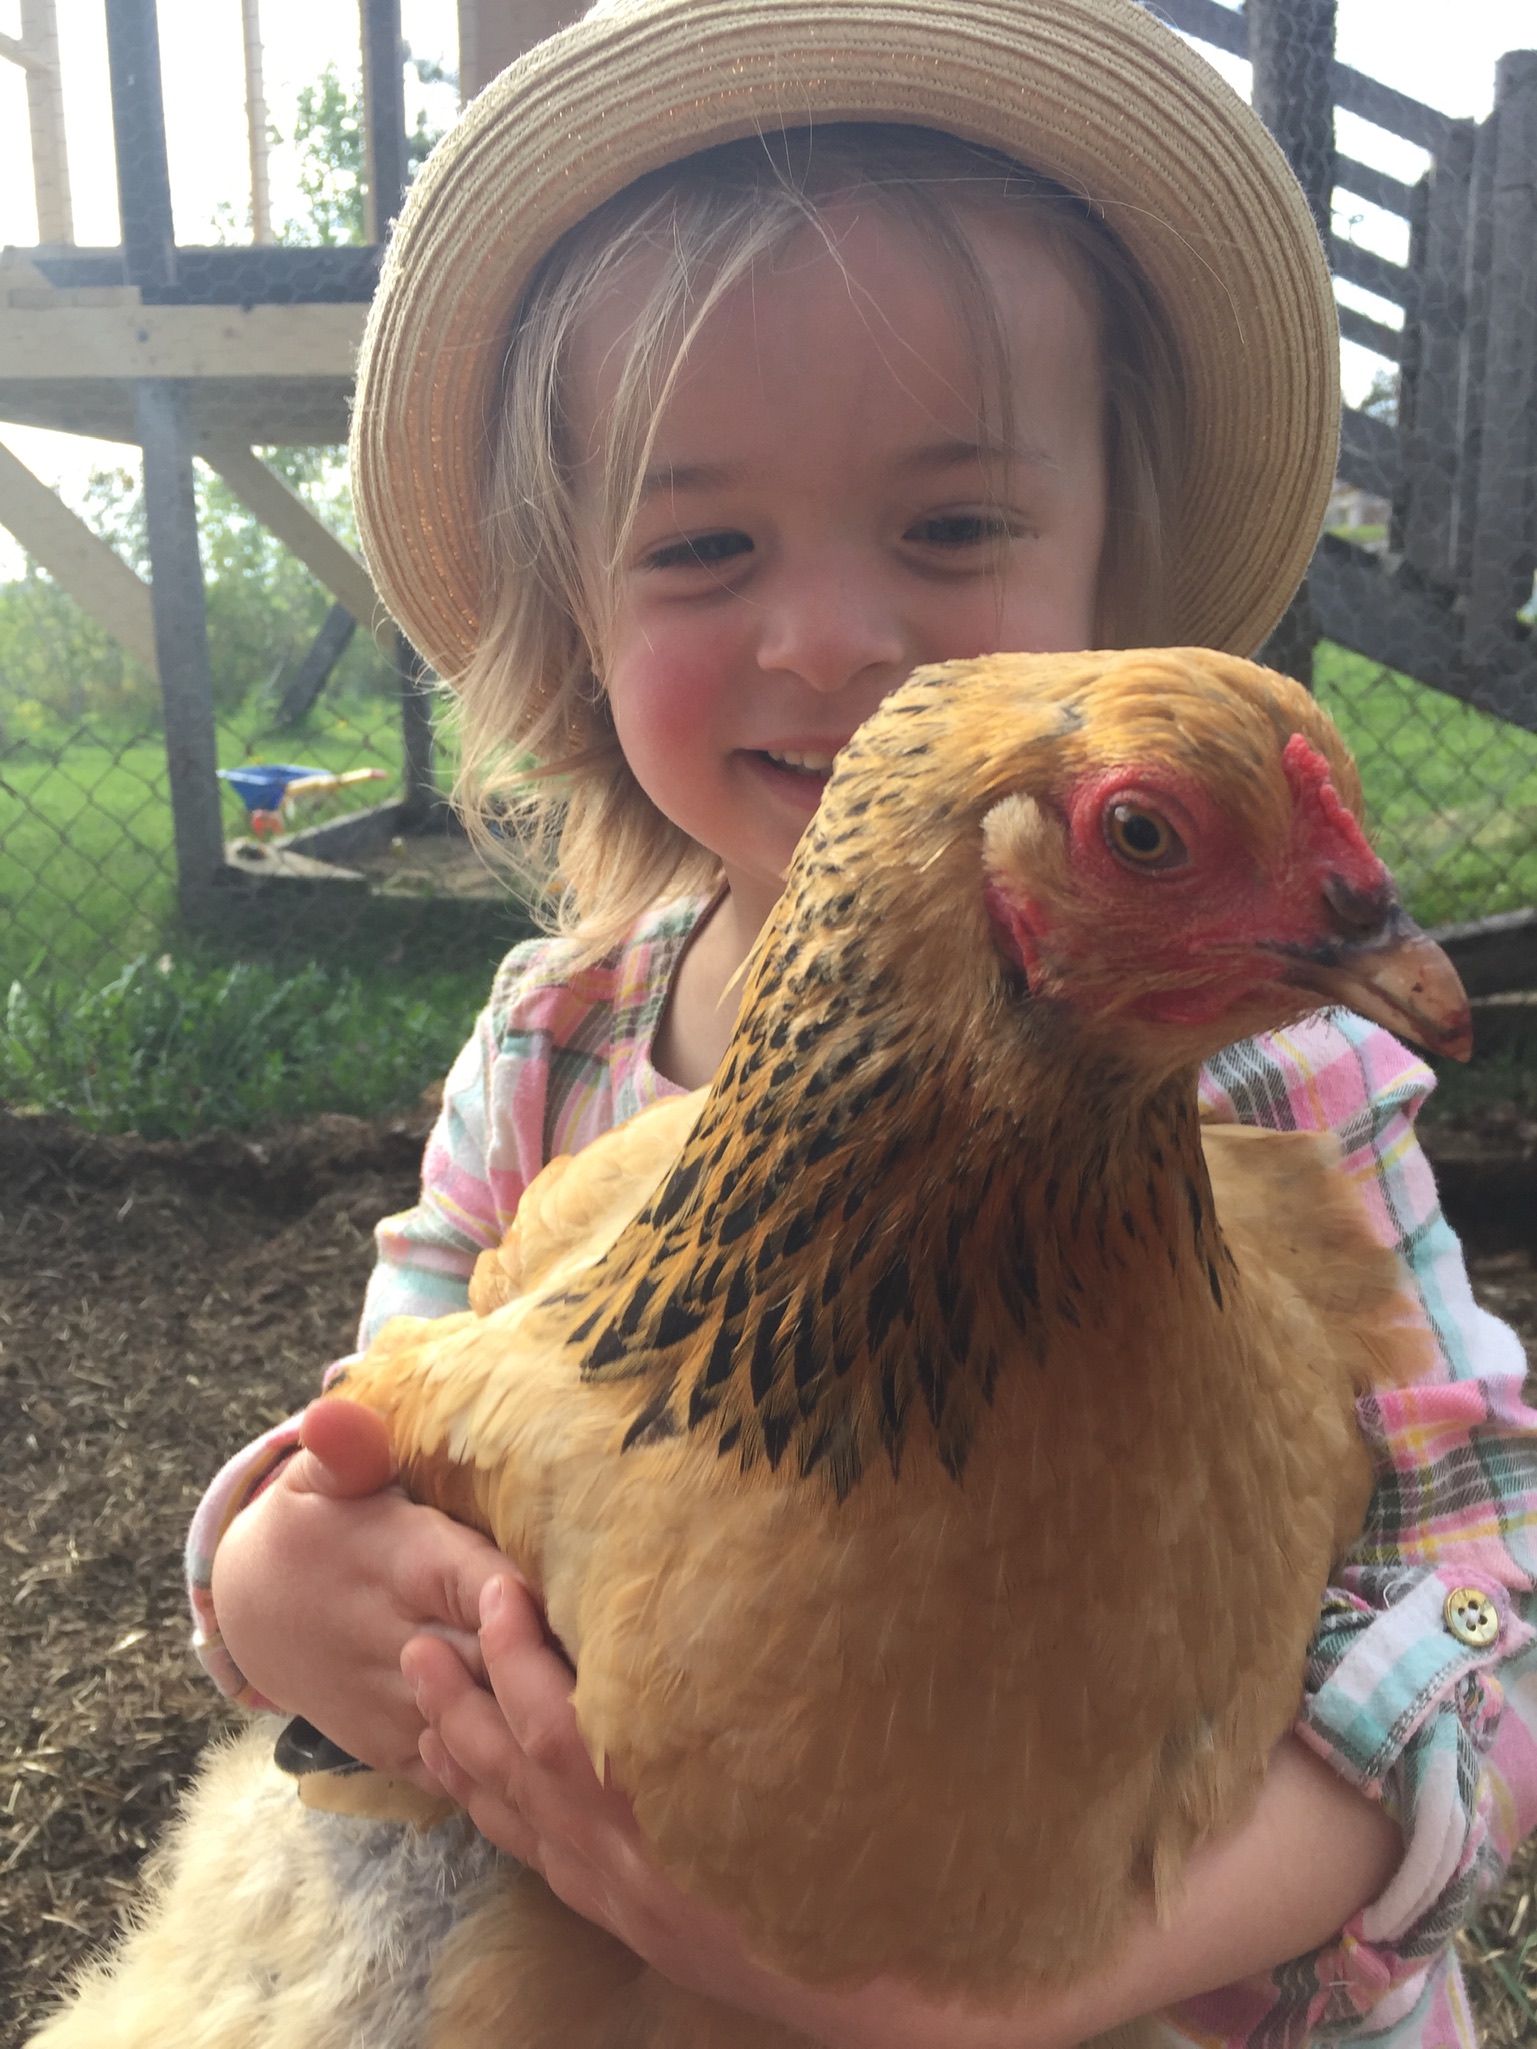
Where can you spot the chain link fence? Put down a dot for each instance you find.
(233, 701)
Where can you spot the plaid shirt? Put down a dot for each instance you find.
(1444, 1734)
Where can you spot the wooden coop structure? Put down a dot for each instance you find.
(211, 352)
(216, 351)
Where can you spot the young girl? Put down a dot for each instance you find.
(729, 362)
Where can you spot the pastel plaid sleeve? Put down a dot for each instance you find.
(557, 1056)
(1444, 1733)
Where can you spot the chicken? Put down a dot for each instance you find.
(931, 1449)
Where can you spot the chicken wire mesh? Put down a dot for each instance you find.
(144, 687)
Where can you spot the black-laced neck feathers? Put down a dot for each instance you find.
(908, 1178)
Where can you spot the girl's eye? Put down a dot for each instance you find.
(700, 551)
(1142, 837)
(959, 529)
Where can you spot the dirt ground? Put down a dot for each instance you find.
(158, 1305)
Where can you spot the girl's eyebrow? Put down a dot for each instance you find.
(954, 453)
(687, 476)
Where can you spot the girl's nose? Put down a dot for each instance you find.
(828, 624)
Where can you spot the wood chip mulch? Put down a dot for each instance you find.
(159, 1304)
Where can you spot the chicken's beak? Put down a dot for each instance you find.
(1382, 965)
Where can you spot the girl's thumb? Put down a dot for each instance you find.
(349, 1449)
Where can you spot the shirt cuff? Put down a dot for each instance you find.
(234, 1487)
(1403, 1703)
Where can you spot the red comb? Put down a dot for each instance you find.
(1325, 820)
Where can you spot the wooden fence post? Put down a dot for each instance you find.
(384, 116)
(161, 427)
(181, 637)
(1291, 46)
(1432, 370)
(45, 118)
(1505, 519)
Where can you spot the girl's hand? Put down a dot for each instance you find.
(322, 1581)
(1311, 1854)
(513, 1756)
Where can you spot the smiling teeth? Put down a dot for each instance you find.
(817, 762)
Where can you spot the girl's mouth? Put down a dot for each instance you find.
(799, 762)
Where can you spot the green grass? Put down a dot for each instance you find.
(168, 1047)
(1451, 791)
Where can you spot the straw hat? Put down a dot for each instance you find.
(1096, 93)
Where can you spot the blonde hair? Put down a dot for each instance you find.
(542, 782)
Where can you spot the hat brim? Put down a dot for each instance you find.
(1095, 93)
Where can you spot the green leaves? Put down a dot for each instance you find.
(169, 1048)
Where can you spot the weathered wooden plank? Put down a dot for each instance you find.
(1370, 454)
(1505, 515)
(1385, 108)
(181, 639)
(180, 341)
(384, 116)
(314, 672)
(283, 276)
(1364, 267)
(1370, 334)
(1430, 390)
(492, 33)
(1475, 346)
(1225, 28)
(45, 119)
(138, 134)
(96, 576)
(1291, 47)
(1493, 954)
(1375, 186)
(1362, 607)
(284, 513)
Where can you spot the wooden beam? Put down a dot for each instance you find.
(284, 513)
(180, 341)
(45, 118)
(384, 116)
(1370, 454)
(256, 122)
(138, 136)
(96, 576)
(1431, 386)
(1493, 954)
(494, 33)
(1291, 47)
(181, 640)
(1359, 605)
(1504, 549)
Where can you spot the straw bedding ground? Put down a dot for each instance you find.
(159, 1304)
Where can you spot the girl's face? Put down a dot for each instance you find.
(818, 518)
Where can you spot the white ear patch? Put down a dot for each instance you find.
(1022, 844)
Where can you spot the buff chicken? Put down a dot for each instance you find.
(930, 1446)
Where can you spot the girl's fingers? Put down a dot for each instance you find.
(530, 1679)
(349, 1451)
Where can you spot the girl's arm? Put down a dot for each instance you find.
(307, 1572)
(1312, 1854)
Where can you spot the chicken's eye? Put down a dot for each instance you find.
(1143, 838)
